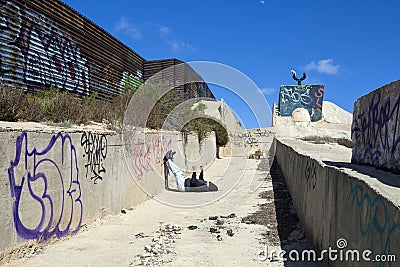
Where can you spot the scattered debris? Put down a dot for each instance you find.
(244, 220)
(276, 212)
(192, 227)
(156, 252)
(230, 216)
(229, 232)
(140, 235)
(219, 237)
(213, 218)
(219, 222)
(123, 211)
(214, 230)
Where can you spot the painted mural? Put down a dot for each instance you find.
(309, 97)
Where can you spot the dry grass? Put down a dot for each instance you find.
(327, 139)
(56, 106)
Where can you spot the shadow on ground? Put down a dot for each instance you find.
(277, 214)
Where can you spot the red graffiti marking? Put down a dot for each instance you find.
(141, 158)
(144, 157)
(160, 147)
(58, 65)
(71, 71)
(319, 96)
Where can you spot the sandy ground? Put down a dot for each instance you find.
(258, 220)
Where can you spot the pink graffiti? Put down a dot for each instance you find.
(160, 147)
(141, 158)
(319, 96)
(145, 157)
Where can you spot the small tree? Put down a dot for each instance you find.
(204, 126)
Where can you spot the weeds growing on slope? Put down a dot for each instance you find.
(55, 106)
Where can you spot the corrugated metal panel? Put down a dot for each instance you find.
(46, 43)
(181, 74)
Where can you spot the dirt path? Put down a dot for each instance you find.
(245, 223)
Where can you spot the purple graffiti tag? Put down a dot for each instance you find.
(40, 52)
(374, 128)
(47, 179)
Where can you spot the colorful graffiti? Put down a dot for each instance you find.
(375, 131)
(95, 151)
(130, 82)
(44, 183)
(309, 97)
(373, 221)
(40, 48)
(144, 157)
(34, 49)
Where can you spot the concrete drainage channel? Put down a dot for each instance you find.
(283, 231)
(281, 228)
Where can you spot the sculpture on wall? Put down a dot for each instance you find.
(299, 80)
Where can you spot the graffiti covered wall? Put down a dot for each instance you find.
(53, 182)
(46, 43)
(376, 128)
(309, 97)
(339, 204)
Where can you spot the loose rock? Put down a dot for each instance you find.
(229, 232)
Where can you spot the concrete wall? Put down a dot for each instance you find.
(335, 123)
(53, 182)
(376, 128)
(247, 142)
(333, 204)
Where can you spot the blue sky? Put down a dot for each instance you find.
(352, 47)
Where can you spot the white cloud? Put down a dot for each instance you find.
(268, 90)
(324, 66)
(179, 46)
(126, 27)
(164, 30)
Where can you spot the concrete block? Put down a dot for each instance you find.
(376, 128)
(336, 204)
